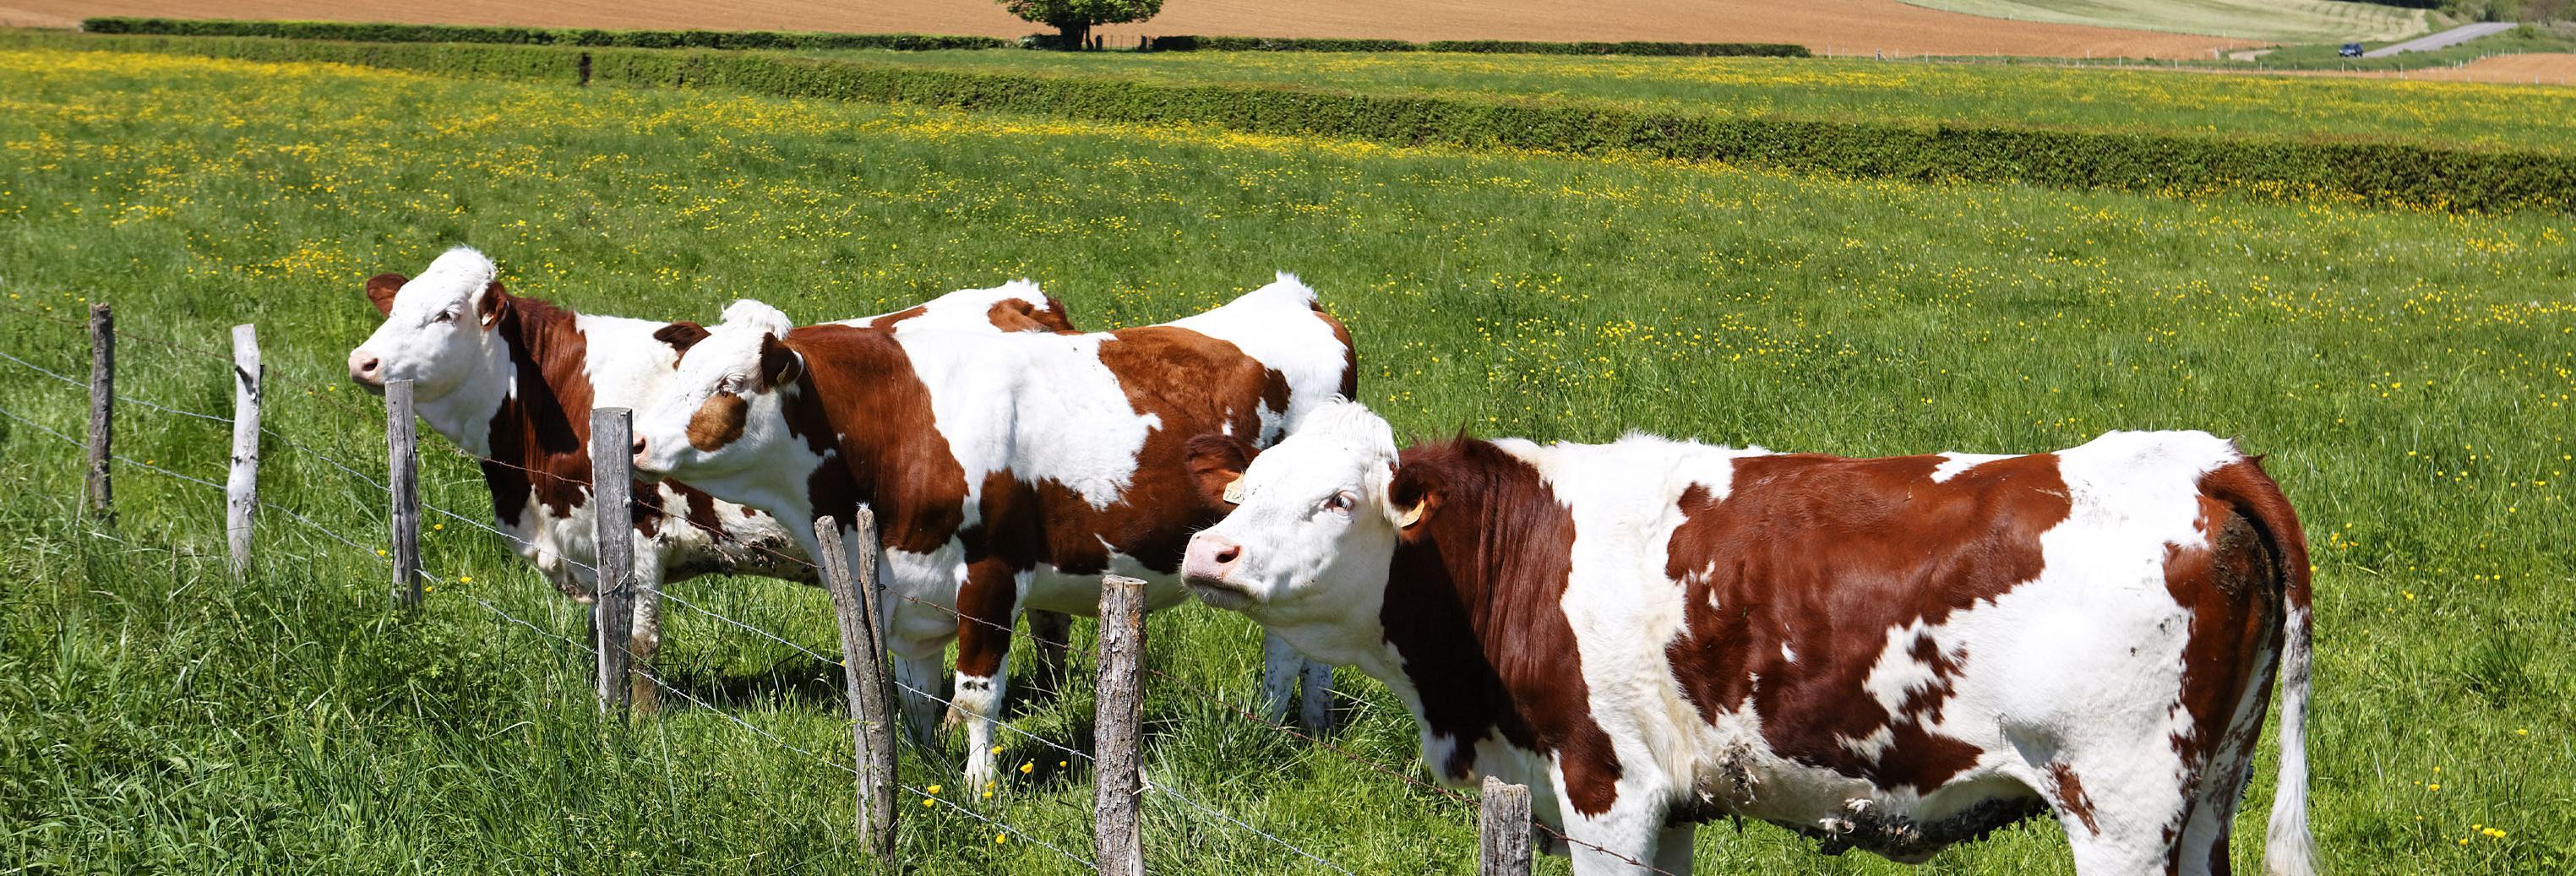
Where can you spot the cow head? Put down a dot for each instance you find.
(1315, 520)
(437, 326)
(723, 415)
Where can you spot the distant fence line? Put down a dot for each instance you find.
(1120, 780)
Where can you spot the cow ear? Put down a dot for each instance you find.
(488, 308)
(1216, 464)
(381, 289)
(1413, 497)
(681, 336)
(779, 365)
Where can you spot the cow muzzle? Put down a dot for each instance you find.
(1208, 568)
(367, 369)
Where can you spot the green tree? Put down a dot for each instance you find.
(1073, 19)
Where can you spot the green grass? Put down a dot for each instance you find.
(2521, 40)
(1860, 90)
(2409, 375)
(2277, 21)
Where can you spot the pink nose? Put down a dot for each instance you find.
(366, 368)
(1210, 558)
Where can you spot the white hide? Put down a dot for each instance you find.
(1043, 407)
(2079, 666)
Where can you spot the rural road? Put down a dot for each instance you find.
(2443, 40)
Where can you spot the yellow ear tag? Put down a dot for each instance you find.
(1411, 516)
(1234, 492)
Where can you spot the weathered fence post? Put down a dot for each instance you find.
(856, 603)
(403, 470)
(1503, 830)
(1118, 777)
(102, 407)
(612, 614)
(241, 489)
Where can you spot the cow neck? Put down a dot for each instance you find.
(535, 443)
(1474, 609)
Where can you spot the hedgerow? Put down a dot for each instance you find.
(1311, 44)
(535, 36)
(2390, 173)
(1689, 50)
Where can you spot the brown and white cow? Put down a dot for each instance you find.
(1005, 472)
(1883, 654)
(512, 380)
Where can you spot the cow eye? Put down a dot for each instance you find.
(1341, 502)
(445, 316)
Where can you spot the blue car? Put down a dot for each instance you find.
(2351, 50)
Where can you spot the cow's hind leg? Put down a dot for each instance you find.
(986, 608)
(2121, 818)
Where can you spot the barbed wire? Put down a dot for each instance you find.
(807, 562)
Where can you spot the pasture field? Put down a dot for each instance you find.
(1859, 90)
(2271, 21)
(2410, 375)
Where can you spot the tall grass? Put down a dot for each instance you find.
(2410, 376)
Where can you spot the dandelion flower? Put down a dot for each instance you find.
(934, 789)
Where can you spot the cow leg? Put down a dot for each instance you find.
(916, 675)
(1053, 631)
(2122, 815)
(1621, 842)
(1673, 849)
(1315, 697)
(644, 636)
(986, 607)
(1279, 664)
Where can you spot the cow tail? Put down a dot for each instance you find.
(2288, 848)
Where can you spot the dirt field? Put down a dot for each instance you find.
(1848, 27)
(2532, 69)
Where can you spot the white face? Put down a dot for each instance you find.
(722, 415)
(434, 333)
(1311, 531)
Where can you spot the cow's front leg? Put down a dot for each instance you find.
(1279, 664)
(1624, 841)
(986, 607)
(1673, 849)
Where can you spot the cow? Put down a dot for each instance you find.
(512, 380)
(1889, 654)
(1004, 471)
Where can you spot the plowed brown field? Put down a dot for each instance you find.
(2531, 69)
(1849, 27)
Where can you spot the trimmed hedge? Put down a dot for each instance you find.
(2382, 173)
(1273, 44)
(534, 36)
(1690, 50)
(1302, 44)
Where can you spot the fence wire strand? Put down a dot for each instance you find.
(658, 682)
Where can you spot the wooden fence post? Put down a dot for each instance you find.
(856, 603)
(1118, 777)
(403, 471)
(102, 407)
(241, 489)
(612, 616)
(1503, 830)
